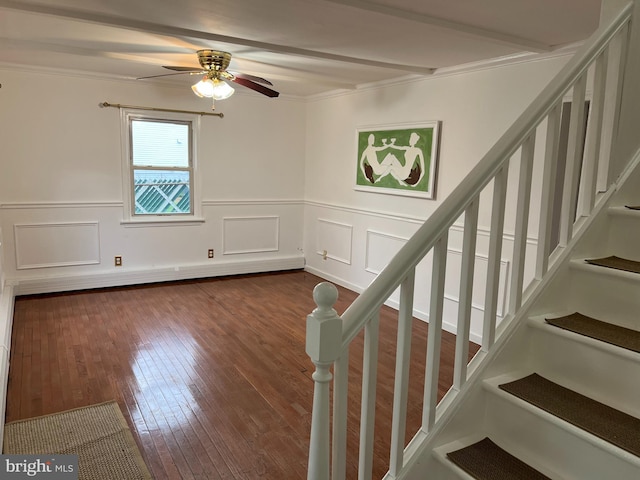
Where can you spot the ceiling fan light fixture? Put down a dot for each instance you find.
(204, 88)
(213, 88)
(221, 89)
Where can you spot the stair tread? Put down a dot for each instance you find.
(485, 460)
(603, 331)
(616, 263)
(603, 421)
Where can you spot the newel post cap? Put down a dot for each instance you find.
(324, 326)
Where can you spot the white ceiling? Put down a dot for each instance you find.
(305, 47)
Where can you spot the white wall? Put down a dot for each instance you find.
(361, 231)
(628, 141)
(61, 187)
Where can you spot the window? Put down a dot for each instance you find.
(160, 166)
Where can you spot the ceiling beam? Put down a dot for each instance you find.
(512, 41)
(171, 31)
(249, 66)
(95, 49)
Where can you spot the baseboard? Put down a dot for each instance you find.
(7, 297)
(51, 284)
(333, 279)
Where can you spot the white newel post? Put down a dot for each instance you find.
(324, 342)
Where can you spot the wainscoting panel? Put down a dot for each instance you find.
(452, 282)
(40, 245)
(250, 234)
(334, 240)
(380, 249)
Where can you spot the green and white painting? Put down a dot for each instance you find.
(398, 159)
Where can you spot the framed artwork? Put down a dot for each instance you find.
(398, 159)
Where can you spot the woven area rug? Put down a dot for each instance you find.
(606, 332)
(616, 263)
(98, 434)
(485, 460)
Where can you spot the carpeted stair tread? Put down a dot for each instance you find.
(616, 263)
(614, 426)
(603, 331)
(485, 460)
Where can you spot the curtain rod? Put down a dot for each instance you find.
(119, 105)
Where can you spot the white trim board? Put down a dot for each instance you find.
(457, 227)
(61, 283)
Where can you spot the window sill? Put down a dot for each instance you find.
(163, 222)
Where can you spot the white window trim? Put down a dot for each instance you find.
(129, 219)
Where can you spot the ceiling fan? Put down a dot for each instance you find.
(214, 64)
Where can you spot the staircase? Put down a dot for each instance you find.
(554, 390)
(562, 401)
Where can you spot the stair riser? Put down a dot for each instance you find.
(541, 440)
(602, 294)
(574, 361)
(624, 236)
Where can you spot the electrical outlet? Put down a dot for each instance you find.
(117, 261)
(210, 253)
(324, 254)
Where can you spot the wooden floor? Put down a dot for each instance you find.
(212, 375)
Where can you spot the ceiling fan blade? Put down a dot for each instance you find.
(253, 78)
(190, 72)
(183, 69)
(255, 86)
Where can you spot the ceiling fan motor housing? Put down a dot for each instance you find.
(214, 60)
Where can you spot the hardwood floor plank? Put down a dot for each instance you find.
(211, 375)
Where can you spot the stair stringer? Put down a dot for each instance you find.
(463, 414)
